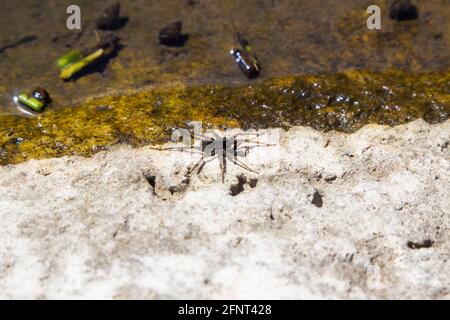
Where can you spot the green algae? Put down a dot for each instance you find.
(343, 102)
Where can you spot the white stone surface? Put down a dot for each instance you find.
(95, 228)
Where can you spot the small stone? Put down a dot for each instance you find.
(109, 19)
(420, 245)
(317, 199)
(171, 35)
(401, 10)
(41, 94)
(252, 183)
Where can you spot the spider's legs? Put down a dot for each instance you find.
(244, 166)
(203, 162)
(180, 149)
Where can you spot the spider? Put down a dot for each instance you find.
(223, 147)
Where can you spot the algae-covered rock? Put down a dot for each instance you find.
(343, 102)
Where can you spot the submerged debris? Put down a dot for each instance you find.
(245, 58)
(245, 63)
(403, 10)
(171, 35)
(68, 59)
(110, 18)
(36, 100)
(76, 61)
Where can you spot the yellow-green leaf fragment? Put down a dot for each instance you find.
(68, 59)
(30, 102)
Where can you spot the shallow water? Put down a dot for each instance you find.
(326, 38)
(289, 36)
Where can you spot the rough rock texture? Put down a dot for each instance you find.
(330, 215)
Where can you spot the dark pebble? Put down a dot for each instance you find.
(401, 10)
(317, 199)
(171, 35)
(420, 245)
(110, 18)
(41, 94)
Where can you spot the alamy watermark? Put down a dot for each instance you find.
(73, 21)
(374, 20)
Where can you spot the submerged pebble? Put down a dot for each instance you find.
(41, 94)
(171, 35)
(245, 58)
(36, 100)
(110, 18)
(403, 10)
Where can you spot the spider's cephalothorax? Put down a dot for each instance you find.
(225, 147)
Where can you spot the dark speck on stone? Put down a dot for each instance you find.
(237, 188)
(252, 183)
(401, 10)
(420, 245)
(317, 199)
